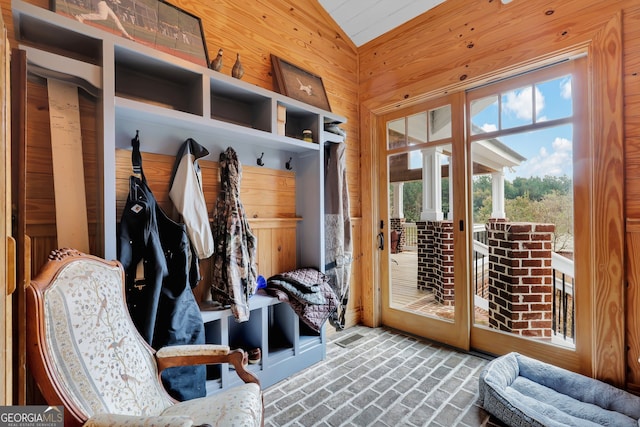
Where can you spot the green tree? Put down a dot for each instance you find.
(541, 200)
(481, 198)
(412, 200)
(553, 208)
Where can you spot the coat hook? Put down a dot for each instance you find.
(260, 162)
(136, 139)
(288, 164)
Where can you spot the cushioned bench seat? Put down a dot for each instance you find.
(522, 391)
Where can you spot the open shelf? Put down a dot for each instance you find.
(147, 79)
(242, 107)
(166, 126)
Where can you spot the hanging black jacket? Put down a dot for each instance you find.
(160, 272)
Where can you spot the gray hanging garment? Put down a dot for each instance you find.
(234, 270)
(337, 228)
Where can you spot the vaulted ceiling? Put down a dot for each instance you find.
(364, 20)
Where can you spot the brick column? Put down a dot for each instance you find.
(435, 259)
(425, 255)
(397, 224)
(520, 277)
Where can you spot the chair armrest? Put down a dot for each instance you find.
(204, 354)
(114, 420)
(193, 350)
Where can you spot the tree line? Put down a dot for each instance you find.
(547, 199)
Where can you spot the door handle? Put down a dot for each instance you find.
(381, 241)
(11, 265)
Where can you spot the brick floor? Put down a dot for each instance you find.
(385, 378)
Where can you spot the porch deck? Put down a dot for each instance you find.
(406, 295)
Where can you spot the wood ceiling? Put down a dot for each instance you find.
(364, 20)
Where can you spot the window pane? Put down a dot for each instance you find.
(417, 125)
(396, 134)
(525, 179)
(517, 107)
(484, 115)
(440, 123)
(421, 266)
(553, 99)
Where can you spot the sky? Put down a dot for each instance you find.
(548, 151)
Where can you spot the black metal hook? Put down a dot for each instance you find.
(136, 159)
(288, 164)
(136, 139)
(260, 162)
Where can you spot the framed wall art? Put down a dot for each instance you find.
(154, 23)
(299, 84)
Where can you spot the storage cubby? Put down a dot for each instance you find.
(244, 108)
(246, 335)
(63, 40)
(213, 335)
(298, 119)
(147, 79)
(168, 99)
(282, 332)
(308, 337)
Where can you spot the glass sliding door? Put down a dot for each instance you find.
(523, 135)
(481, 202)
(419, 293)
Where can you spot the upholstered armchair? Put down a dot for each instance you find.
(86, 354)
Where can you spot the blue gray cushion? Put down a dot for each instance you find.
(522, 391)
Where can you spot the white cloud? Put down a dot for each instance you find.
(520, 103)
(489, 127)
(562, 145)
(556, 162)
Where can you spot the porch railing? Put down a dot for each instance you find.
(563, 310)
(411, 236)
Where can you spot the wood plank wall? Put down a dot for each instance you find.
(454, 47)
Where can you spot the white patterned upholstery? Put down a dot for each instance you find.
(240, 406)
(100, 366)
(100, 358)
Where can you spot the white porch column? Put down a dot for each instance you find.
(431, 185)
(497, 195)
(398, 200)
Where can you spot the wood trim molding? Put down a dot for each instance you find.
(607, 228)
(370, 284)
